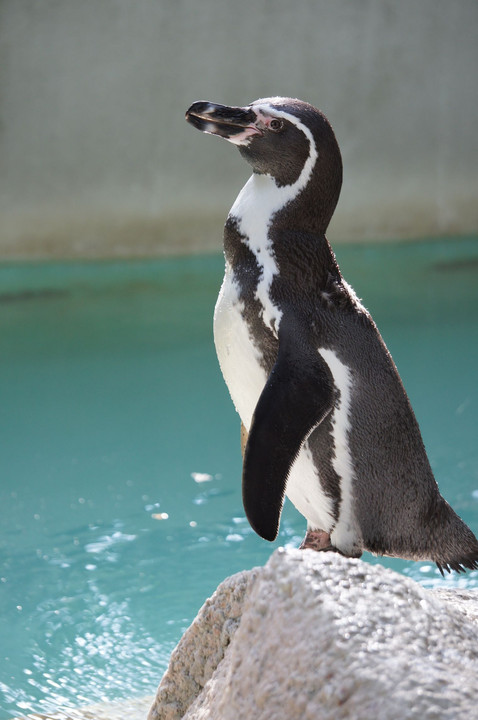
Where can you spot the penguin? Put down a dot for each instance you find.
(325, 417)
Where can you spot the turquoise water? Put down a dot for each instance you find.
(111, 405)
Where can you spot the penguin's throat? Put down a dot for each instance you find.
(253, 213)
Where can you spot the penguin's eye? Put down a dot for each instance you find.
(275, 125)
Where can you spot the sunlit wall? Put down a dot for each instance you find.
(96, 159)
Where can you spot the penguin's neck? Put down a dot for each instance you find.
(267, 246)
(256, 205)
(280, 222)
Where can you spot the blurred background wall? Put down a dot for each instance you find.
(96, 159)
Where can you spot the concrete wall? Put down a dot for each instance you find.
(96, 159)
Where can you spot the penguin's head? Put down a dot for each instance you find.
(279, 137)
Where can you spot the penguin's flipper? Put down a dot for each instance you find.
(298, 395)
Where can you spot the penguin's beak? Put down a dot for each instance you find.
(236, 124)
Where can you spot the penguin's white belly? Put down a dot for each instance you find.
(238, 357)
(245, 378)
(305, 492)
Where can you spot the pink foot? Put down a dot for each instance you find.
(316, 540)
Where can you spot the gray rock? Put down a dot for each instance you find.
(202, 647)
(317, 636)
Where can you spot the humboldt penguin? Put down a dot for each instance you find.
(325, 417)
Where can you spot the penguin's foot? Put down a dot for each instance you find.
(316, 540)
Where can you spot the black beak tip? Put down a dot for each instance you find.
(195, 121)
(198, 107)
(219, 120)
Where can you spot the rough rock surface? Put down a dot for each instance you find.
(202, 647)
(317, 636)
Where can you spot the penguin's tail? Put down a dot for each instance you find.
(462, 565)
(453, 545)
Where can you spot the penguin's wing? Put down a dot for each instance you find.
(298, 395)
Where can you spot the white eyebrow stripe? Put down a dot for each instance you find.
(313, 154)
(306, 172)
